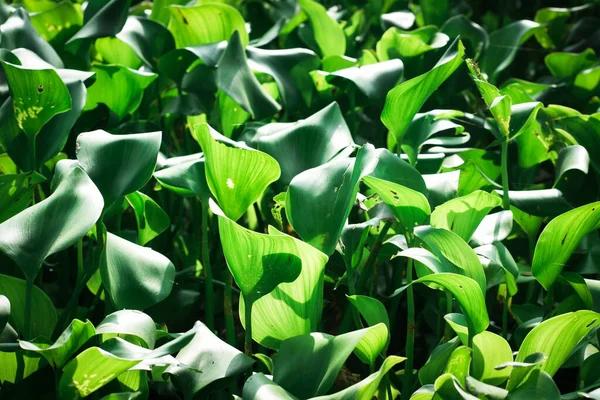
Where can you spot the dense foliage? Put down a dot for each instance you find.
(299, 199)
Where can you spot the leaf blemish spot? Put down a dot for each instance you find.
(230, 183)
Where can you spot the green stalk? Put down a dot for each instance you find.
(504, 165)
(228, 309)
(82, 282)
(28, 296)
(248, 337)
(448, 329)
(372, 259)
(208, 282)
(410, 332)
(505, 318)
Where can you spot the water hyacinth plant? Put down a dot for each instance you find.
(299, 199)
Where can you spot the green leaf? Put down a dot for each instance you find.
(237, 177)
(556, 338)
(118, 164)
(235, 78)
(129, 322)
(58, 23)
(373, 312)
(464, 214)
(367, 388)
(290, 68)
(504, 44)
(38, 95)
(461, 26)
(408, 206)
(67, 344)
(16, 191)
(4, 311)
(101, 19)
(186, 178)
(560, 238)
(135, 277)
(493, 228)
(151, 219)
(397, 43)
(308, 143)
(307, 365)
(19, 32)
(458, 364)
(404, 101)
(53, 224)
(258, 262)
(567, 65)
(438, 358)
(119, 88)
(543, 203)
(259, 387)
(489, 351)
(539, 385)
(499, 256)
(204, 360)
(43, 313)
(78, 380)
(206, 24)
(465, 291)
(293, 308)
(456, 255)
(328, 34)
(149, 40)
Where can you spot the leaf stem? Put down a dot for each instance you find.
(28, 296)
(504, 165)
(410, 326)
(449, 309)
(228, 309)
(372, 259)
(208, 282)
(248, 321)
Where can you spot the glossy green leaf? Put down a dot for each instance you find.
(151, 219)
(204, 360)
(504, 44)
(101, 19)
(119, 88)
(556, 338)
(559, 239)
(205, 24)
(67, 344)
(64, 217)
(134, 276)
(489, 351)
(15, 193)
(292, 308)
(367, 388)
(464, 214)
(129, 322)
(235, 78)
(118, 164)
(186, 178)
(259, 387)
(43, 318)
(4, 311)
(408, 206)
(237, 177)
(77, 382)
(328, 34)
(258, 262)
(459, 364)
(38, 95)
(567, 65)
(308, 364)
(538, 385)
(438, 358)
(59, 23)
(290, 68)
(465, 291)
(467, 30)
(373, 80)
(493, 228)
(500, 257)
(454, 252)
(397, 43)
(149, 40)
(404, 101)
(19, 32)
(308, 143)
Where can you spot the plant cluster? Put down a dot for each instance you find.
(299, 199)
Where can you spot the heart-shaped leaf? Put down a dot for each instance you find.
(52, 225)
(118, 164)
(237, 177)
